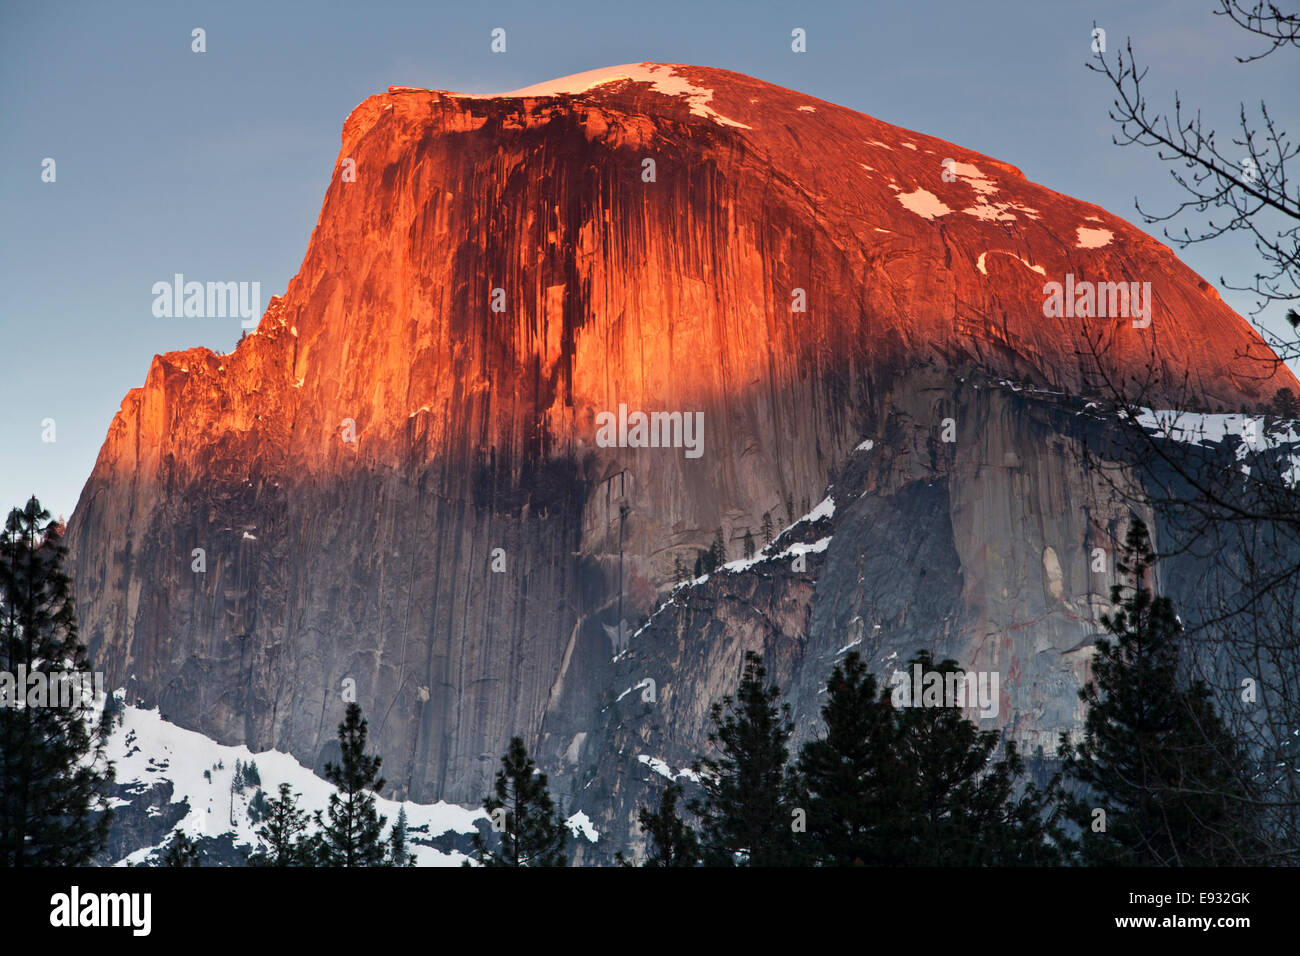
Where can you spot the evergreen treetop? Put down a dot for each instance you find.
(748, 802)
(521, 810)
(398, 853)
(54, 773)
(353, 835)
(670, 840)
(1156, 760)
(283, 834)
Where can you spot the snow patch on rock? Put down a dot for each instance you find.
(979, 263)
(985, 208)
(924, 203)
(580, 825)
(662, 77)
(1092, 238)
(825, 509)
(644, 683)
(973, 177)
(665, 771)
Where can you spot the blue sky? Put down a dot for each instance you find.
(215, 164)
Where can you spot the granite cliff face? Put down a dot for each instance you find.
(397, 481)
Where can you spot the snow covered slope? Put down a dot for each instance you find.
(149, 753)
(186, 782)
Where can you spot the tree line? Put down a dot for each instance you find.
(349, 832)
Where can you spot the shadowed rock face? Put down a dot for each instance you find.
(372, 559)
(980, 549)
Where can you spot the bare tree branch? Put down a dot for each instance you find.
(1243, 187)
(1264, 20)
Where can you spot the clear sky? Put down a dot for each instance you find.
(215, 164)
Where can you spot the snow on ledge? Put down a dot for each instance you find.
(825, 509)
(662, 768)
(1251, 433)
(796, 549)
(644, 683)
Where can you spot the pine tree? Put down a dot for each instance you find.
(853, 795)
(789, 509)
(182, 851)
(960, 801)
(748, 545)
(282, 836)
(257, 807)
(53, 770)
(1155, 756)
(353, 835)
(749, 793)
(679, 570)
(398, 854)
(717, 554)
(765, 530)
(532, 833)
(962, 805)
(670, 840)
(900, 785)
(251, 775)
